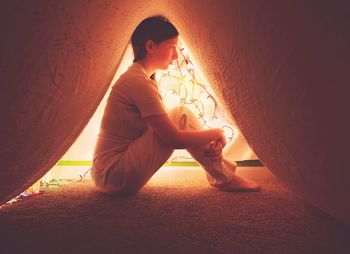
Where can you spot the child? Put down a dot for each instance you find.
(138, 134)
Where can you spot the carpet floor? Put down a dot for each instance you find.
(176, 212)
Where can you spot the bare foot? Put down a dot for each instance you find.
(241, 184)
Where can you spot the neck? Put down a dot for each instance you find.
(147, 66)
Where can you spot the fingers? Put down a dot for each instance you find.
(214, 153)
(218, 158)
(211, 153)
(216, 145)
(213, 149)
(219, 145)
(222, 142)
(214, 156)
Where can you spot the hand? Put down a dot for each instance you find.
(214, 153)
(222, 138)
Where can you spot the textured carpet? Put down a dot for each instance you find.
(177, 212)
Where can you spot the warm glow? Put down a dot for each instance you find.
(182, 84)
(167, 177)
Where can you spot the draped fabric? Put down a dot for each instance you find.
(281, 70)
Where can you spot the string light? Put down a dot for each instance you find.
(179, 86)
(40, 186)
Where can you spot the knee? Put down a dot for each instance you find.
(177, 110)
(182, 110)
(184, 118)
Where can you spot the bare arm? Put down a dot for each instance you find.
(169, 133)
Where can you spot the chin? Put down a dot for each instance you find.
(165, 67)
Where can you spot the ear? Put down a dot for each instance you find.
(149, 46)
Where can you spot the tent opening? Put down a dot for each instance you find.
(182, 84)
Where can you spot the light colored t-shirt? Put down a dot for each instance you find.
(133, 97)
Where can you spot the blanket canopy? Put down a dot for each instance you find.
(280, 68)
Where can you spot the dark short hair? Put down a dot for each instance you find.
(156, 28)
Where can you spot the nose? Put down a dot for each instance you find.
(175, 55)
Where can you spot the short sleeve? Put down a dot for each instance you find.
(147, 98)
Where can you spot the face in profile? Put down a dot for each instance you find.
(165, 53)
